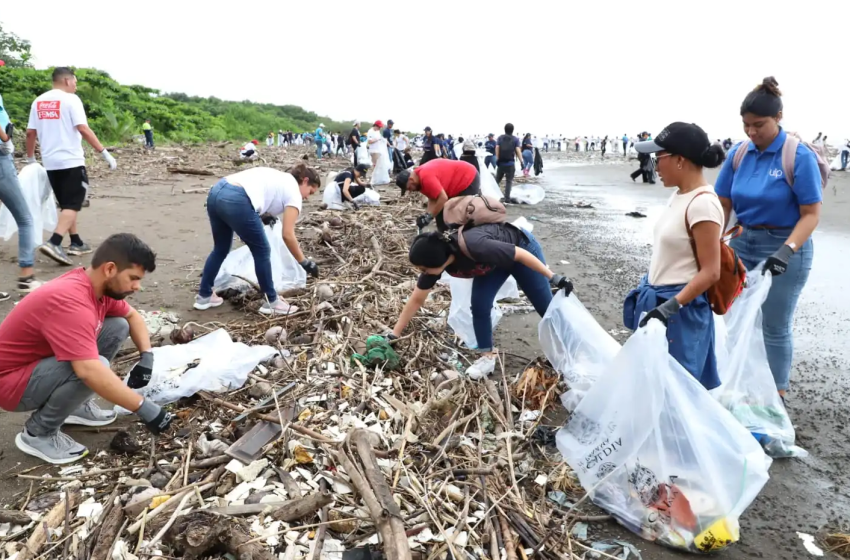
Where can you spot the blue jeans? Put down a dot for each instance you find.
(754, 246)
(13, 198)
(230, 210)
(527, 159)
(490, 160)
(485, 288)
(318, 150)
(148, 138)
(844, 157)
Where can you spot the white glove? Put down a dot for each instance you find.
(31, 159)
(7, 147)
(107, 157)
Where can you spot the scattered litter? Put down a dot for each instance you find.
(809, 544)
(635, 214)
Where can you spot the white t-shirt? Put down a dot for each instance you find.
(270, 190)
(402, 143)
(375, 147)
(55, 116)
(249, 147)
(673, 260)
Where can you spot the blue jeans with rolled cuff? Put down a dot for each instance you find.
(754, 246)
(13, 198)
(527, 159)
(230, 210)
(484, 290)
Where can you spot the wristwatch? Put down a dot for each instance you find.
(793, 246)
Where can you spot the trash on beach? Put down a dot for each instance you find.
(809, 544)
(635, 214)
(671, 465)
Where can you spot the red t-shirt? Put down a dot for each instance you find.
(447, 175)
(63, 318)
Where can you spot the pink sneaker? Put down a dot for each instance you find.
(202, 303)
(278, 307)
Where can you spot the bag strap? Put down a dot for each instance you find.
(688, 226)
(740, 152)
(789, 157)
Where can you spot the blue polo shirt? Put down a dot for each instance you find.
(759, 192)
(319, 133)
(4, 116)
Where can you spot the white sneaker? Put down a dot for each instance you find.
(482, 367)
(204, 303)
(89, 414)
(279, 307)
(58, 448)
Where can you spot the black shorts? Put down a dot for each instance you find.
(70, 187)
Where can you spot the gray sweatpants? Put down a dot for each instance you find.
(506, 171)
(54, 391)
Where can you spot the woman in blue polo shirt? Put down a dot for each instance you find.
(778, 213)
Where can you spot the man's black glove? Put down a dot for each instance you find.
(777, 263)
(140, 375)
(155, 418)
(561, 283)
(268, 219)
(311, 267)
(663, 312)
(423, 220)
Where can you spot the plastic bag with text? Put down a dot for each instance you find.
(38, 195)
(210, 363)
(576, 345)
(655, 450)
(747, 387)
(286, 271)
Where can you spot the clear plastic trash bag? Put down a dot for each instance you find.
(528, 193)
(38, 195)
(223, 365)
(381, 173)
(286, 271)
(747, 387)
(576, 345)
(653, 448)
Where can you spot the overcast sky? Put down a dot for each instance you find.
(589, 68)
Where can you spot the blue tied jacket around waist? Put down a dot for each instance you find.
(690, 332)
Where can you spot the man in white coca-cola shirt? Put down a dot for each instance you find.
(58, 121)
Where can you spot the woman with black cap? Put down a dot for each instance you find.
(344, 180)
(492, 253)
(439, 180)
(681, 270)
(773, 183)
(429, 147)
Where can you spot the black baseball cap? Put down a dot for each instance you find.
(362, 168)
(390, 121)
(682, 139)
(401, 180)
(427, 129)
(490, 135)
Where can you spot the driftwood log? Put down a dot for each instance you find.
(190, 171)
(111, 525)
(201, 533)
(300, 507)
(14, 517)
(52, 520)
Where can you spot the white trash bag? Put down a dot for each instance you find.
(38, 195)
(576, 345)
(747, 387)
(654, 449)
(528, 193)
(362, 156)
(286, 271)
(488, 186)
(224, 366)
(332, 195)
(369, 198)
(835, 165)
(381, 173)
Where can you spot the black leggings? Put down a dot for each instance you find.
(427, 156)
(473, 189)
(354, 189)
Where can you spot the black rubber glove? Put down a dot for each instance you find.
(356, 206)
(10, 128)
(663, 312)
(390, 336)
(311, 267)
(155, 418)
(777, 263)
(423, 220)
(562, 283)
(140, 375)
(268, 220)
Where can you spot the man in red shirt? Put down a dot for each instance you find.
(439, 180)
(56, 345)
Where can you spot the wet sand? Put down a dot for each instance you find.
(607, 253)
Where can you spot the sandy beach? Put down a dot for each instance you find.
(606, 252)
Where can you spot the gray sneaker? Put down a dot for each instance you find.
(89, 414)
(56, 253)
(74, 249)
(58, 448)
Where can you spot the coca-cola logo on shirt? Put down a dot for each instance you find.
(50, 110)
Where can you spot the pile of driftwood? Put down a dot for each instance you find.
(322, 456)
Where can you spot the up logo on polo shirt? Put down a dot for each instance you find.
(776, 173)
